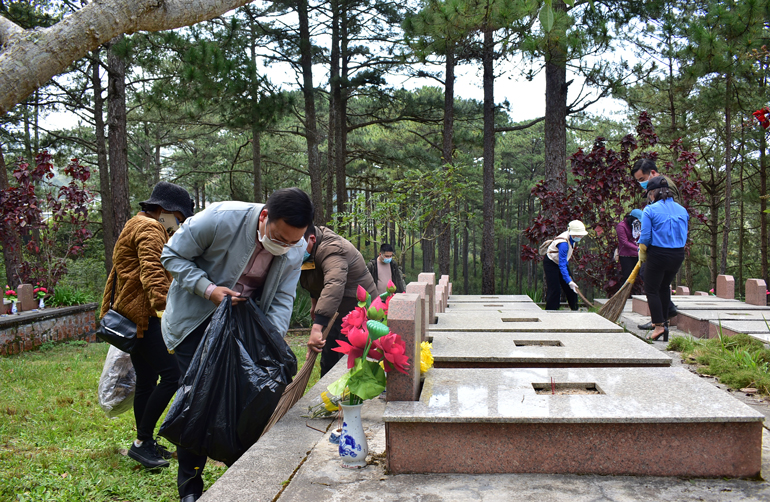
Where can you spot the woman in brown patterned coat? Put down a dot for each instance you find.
(140, 286)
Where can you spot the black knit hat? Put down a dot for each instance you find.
(657, 182)
(170, 197)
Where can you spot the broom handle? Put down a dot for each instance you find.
(326, 329)
(634, 273)
(584, 298)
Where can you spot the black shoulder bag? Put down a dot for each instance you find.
(116, 329)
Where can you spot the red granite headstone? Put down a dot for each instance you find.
(405, 319)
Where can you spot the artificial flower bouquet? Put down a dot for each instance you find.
(10, 294)
(372, 349)
(39, 291)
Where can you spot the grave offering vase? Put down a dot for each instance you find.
(13, 307)
(353, 448)
(41, 304)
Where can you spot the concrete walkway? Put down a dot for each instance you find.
(296, 463)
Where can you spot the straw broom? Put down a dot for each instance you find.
(615, 305)
(296, 389)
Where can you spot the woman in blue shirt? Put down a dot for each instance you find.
(661, 246)
(557, 276)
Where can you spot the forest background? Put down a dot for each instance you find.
(454, 183)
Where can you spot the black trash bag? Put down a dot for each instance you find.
(235, 380)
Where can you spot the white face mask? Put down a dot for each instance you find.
(270, 246)
(169, 221)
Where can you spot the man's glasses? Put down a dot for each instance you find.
(297, 244)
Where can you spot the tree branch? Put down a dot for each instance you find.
(8, 29)
(31, 57)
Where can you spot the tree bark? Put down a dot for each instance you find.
(488, 233)
(116, 114)
(101, 161)
(311, 124)
(29, 58)
(466, 278)
(728, 173)
(555, 134)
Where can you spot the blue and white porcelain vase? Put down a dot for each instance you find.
(41, 304)
(353, 448)
(13, 307)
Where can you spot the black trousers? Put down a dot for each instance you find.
(152, 360)
(661, 268)
(555, 284)
(329, 357)
(627, 264)
(189, 478)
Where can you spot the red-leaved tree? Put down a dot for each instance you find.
(51, 221)
(601, 194)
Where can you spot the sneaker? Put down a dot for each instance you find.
(147, 455)
(163, 451)
(672, 312)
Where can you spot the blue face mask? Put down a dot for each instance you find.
(387, 260)
(643, 185)
(576, 239)
(306, 257)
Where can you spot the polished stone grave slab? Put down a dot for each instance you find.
(489, 298)
(636, 421)
(696, 322)
(755, 329)
(463, 307)
(543, 350)
(524, 321)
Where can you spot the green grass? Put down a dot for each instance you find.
(738, 361)
(57, 444)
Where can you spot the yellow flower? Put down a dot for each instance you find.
(426, 357)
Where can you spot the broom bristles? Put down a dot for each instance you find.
(296, 389)
(615, 305)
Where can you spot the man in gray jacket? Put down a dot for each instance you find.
(238, 249)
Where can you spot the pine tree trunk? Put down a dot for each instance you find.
(311, 124)
(118, 145)
(101, 162)
(466, 277)
(763, 206)
(488, 211)
(256, 163)
(728, 175)
(555, 128)
(448, 156)
(341, 116)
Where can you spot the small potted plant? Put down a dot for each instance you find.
(10, 295)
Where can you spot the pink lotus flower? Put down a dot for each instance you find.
(355, 319)
(393, 348)
(391, 287)
(361, 294)
(378, 309)
(355, 349)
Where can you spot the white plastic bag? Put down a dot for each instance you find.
(117, 383)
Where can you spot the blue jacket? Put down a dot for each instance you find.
(214, 246)
(664, 224)
(564, 257)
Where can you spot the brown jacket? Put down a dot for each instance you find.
(142, 281)
(335, 270)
